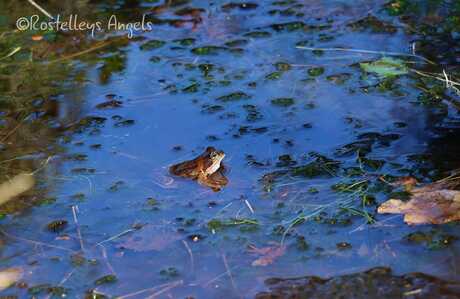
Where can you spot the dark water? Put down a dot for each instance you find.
(150, 229)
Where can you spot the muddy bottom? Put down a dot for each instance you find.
(374, 283)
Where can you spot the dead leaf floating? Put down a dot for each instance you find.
(268, 255)
(431, 204)
(9, 276)
(16, 186)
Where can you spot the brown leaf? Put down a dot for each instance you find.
(433, 207)
(267, 254)
(407, 181)
(449, 183)
(9, 277)
(15, 186)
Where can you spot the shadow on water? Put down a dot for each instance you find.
(308, 135)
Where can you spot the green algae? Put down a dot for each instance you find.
(234, 96)
(316, 71)
(274, 76)
(258, 34)
(236, 43)
(107, 279)
(374, 24)
(208, 50)
(57, 226)
(218, 224)
(290, 26)
(283, 102)
(192, 88)
(385, 67)
(282, 66)
(152, 44)
(185, 42)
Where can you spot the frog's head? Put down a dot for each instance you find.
(215, 157)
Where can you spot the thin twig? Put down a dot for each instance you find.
(106, 259)
(229, 273)
(14, 51)
(443, 77)
(249, 206)
(171, 286)
(217, 277)
(190, 253)
(66, 277)
(367, 52)
(144, 291)
(117, 236)
(75, 219)
(35, 242)
(42, 166)
(97, 47)
(41, 9)
(12, 131)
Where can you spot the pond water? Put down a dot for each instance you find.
(307, 136)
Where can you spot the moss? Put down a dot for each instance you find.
(313, 190)
(125, 123)
(46, 201)
(283, 102)
(152, 44)
(339, 78)
(206, 68)
(212, 108)
(253, 114)
(152, 202)
(318, 52)
(320, 166)
(350, 187)
(169, 272)
(192, 88)
(274, 76)
(116, 186)
(39, 289)
(282, 66)
(236, 43)
(185, 42)
(432, 240)
(217, 224)
(155, 59)
(316, 71)
(106, 279)
(208, 50)
(290, 26)
(258, 34)
(301, 243)
(374, 24)
(235, 96)
(57, 225)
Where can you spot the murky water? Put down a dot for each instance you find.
(129, 218)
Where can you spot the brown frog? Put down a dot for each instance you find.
(207, 169)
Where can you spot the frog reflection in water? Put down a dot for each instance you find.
(207, 169)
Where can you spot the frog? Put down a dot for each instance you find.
(207, 169)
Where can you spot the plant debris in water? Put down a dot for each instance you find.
(385, 67)
(374, 283)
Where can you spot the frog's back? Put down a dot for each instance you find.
(186, 169)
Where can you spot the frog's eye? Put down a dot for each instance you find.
(213, 155)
